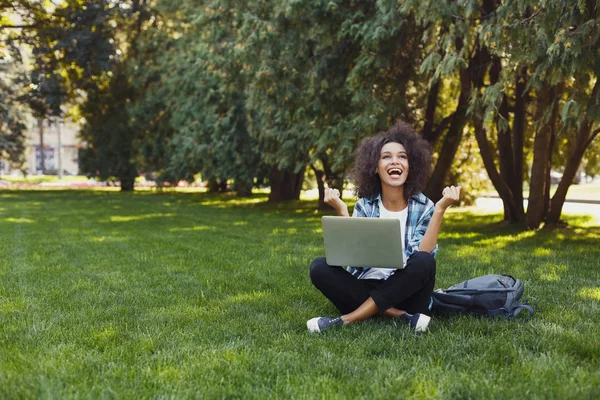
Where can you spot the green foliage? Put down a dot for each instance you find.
(238, 91)
(591, 165)
(201, 123)
(12, 121)
(109, 134)
(12, 129)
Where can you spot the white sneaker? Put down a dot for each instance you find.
(316, 325)
(419, 322)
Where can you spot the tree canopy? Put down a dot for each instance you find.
(263, 92)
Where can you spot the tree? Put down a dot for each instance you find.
(12, 128)
(12, 122)
(548, 74)
(77, 57)
(108, 133)
(94, 55)
(203, 118)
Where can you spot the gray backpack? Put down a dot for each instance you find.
(489, 295)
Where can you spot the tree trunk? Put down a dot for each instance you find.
(285, 185)
(575, 157)
(333, 179)
(243, 188)
(584, 139)
(428, 132)
(541, 149)
(127, 183)
(212, 186)
(216, 185)
(553, 121)
(505, 145)
(518, 129)
(127, 175)
(469, 78)
(451, 142)
(511, 213)
(319, 175)
(42, 152)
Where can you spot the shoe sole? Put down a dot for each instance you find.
(422, 323)
(313, 325)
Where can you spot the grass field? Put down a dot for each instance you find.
(175, 295)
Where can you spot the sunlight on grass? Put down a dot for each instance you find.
(550, 276)
(233, 201)
(101, 239)
(540, 251)
(130, 218)
(11, 305)
(105, 335)
(587, 233)
(250, 296)
(194, 228)
(500, 242)
(69, 231)
(474, 246)
(590, 293)
(20, 220)
(459, 235)
(279, 231)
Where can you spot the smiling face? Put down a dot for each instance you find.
(392, 167)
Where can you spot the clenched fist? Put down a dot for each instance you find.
(332, 199)
(450, 195)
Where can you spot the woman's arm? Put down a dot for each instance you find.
(450, 195)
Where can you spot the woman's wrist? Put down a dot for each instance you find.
(439, 209)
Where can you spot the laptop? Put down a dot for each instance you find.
(363, 242)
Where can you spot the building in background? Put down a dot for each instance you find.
(60, 152)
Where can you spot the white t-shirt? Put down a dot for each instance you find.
(384, 273)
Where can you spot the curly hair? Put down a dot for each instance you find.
(366, 180)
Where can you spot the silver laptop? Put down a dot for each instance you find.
(363, 242)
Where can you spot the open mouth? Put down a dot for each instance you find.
(395, 171)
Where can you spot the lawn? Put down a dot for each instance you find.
(179, 295)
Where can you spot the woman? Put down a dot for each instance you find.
(390, 171)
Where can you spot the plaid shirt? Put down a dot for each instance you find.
(420, 210)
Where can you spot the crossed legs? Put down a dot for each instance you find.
(407, 290)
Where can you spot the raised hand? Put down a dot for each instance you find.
(332, 199)
(450, 195)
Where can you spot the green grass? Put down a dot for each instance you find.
(174, 295)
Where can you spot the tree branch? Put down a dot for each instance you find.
(532, 16)
(591, 138)
(18, 27)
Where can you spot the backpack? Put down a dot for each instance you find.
(488, 295)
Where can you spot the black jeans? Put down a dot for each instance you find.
(408, 289)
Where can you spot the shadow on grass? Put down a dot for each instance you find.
(118, 216)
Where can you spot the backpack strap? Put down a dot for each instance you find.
(530, 301)
(515, 311)
(529, 304)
